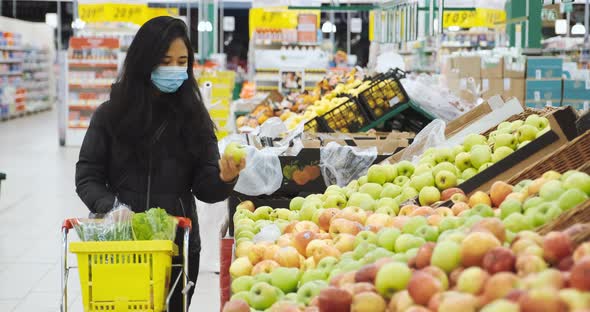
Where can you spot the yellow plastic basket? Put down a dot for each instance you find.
(124, 275)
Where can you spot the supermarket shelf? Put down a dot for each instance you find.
(11, 61)
(78, 127)
(18, 73)
(89, 86)
(92, 65)
(26, 113)
(12, 49)
(83, 107)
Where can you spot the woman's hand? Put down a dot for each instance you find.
(228, 169)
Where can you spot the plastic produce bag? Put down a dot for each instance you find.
(115, 226)
(269, 233)
(425, 92)
(432, 135)
(154, 224)
(342, 164)
(263, 174)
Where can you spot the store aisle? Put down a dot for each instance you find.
(37, 195)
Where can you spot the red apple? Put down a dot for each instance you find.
(325, 218)
(492, 225)
(423, 286)
(499, 259)
(341, 225)
(236, 305)
(366, 274)
(581, 251)
(288, 257)
(499, 285)
(358, 288)
(434, 302)
(542, 300)
(557, 246)
(566, 264)
(580, 275)
(527, 264)
(332, 299)
(422, 211)
(302, 239)
(448, 193)
(499, 191)
(475, 246)
(434, 219)
(459, 207)
(438, 274)
(400, 301)
(424, 254)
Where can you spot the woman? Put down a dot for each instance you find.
(153, 144)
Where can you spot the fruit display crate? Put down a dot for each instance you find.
(527, 112)
(346, 118)
(574, 155)
(404, 117)
(384, 94)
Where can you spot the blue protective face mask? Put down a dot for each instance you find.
(169, 78)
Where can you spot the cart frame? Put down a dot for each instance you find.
(184, 223)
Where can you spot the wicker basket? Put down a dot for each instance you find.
(522, 116)
(579, 233)
(574, 155)
(580, 214)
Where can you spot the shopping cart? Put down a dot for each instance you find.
(125, 275)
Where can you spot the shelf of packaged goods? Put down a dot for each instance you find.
(18, 73)
(77, 64)
(83, 107)
(77, 127)
(11, 48)
(88, 86)
(11, 61)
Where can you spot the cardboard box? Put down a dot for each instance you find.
(514, 87)
(491, 87)
(579, 105)
(543, 103)
(539, 90)
(543, 67)
(492, 68)
(576, 89)
(514, 67)
(459, 86)
(467, 66)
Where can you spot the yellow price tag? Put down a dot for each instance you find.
(115, 12)
(476, 18)
(277, 18)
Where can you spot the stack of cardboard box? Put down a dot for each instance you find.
(544, 83)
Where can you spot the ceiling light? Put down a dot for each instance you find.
(578, 29)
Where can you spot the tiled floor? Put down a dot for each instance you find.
(37, 195)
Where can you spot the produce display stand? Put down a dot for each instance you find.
(399, 109)
(125, 275)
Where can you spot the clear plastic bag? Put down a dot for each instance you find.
(269, 233)
(426, 92)
(114, 226)
(433, 135)
(263, 173)
(154, 224)
(342, 164)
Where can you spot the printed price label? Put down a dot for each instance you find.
(507, 84)
(538, 74)
(537, 95)
(394, 101)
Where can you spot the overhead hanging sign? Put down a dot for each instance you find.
(479, 17)
(116, 12)
(277, 18)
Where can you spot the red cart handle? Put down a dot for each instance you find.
(185, 223)
(68, 224)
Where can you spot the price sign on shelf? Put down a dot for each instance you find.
(479, 17)
(116, 12)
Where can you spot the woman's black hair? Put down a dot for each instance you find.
(133, 95)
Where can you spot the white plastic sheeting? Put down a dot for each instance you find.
(212, 219)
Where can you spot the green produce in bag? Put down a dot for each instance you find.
(154, 224)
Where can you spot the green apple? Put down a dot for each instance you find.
(262, 213)
(309, 208)
(482, 210)
(365, 236)
(236, 151)
(310, 290)
(429, 195)
(350, 266)
(390, 190)
(504, 124)
(456, 236)
(468, 173)
(406, 242)
(444, 166)
(353, 185)
(522, 185)
(463, 161)
(551, 190)
(373, 256)
(458, 149)
(472, 220)
(444, 154)
(516, 222)
(327, 264)
(445, 179)
(446, 256)
(386, 238)
(515, 125)
(501, 153)
(361, 200)
(312, 275)
(405, 168)
(428, 233)
(335, 201)
(377, 174)
(411, 253)
(423, 168)
(296, 203)
(291, 297)
(423, 180)
(480, 154)
(532, 202)
(241, 214)
(281, 214)
(263, 277)
(413, 224)
(472, 280)
(387, 204)
(579, 180)
(408, 193)
(575, 299)
(362, 180)
(427, 160)
(509, 206)
(262, 296)
(401, 181)
(391, 172)
(285, 279)
(537, 121)
(334, 188)
(571, 198)
(316, 216)
(505, 139)
(362, 249)
(372, 189)
(392, 277)
(242, 283)
(526, 133)
(567, 174)
(473, 140)
(448, 223)
(246, 234)
(542, 132)
(501, 305)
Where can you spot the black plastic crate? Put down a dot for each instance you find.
(409, 120)
(315, 125)
(347, 117)
(384, 94)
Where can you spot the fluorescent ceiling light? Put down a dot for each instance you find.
(578, 29)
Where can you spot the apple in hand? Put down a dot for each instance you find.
(236, 151)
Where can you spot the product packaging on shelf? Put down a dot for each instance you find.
(544, 67)
(543, 93)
